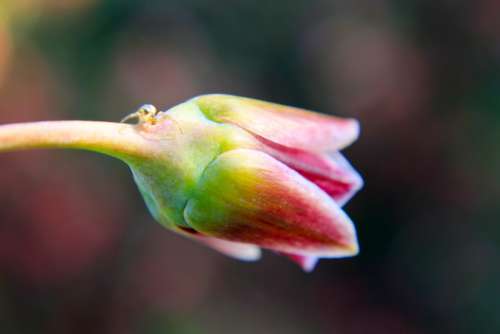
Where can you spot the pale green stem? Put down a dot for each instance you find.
(119, 140)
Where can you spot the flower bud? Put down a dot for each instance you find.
(254, 175)
(234, 173)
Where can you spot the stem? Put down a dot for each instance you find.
(122, 141)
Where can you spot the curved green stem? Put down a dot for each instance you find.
(119, 140)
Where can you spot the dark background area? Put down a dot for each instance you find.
(80, 254)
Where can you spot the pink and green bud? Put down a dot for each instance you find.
(236, 174)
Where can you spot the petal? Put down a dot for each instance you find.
(288, 126)
(306, 262)
(237, 250)
(248, 196)
(331, 172)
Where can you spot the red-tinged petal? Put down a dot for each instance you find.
(306, 262)
(248, 196)
(237, 250)
(288, 126)
(331, 172)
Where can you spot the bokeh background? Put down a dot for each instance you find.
(80, 254)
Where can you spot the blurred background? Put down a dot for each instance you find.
(80, 254)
